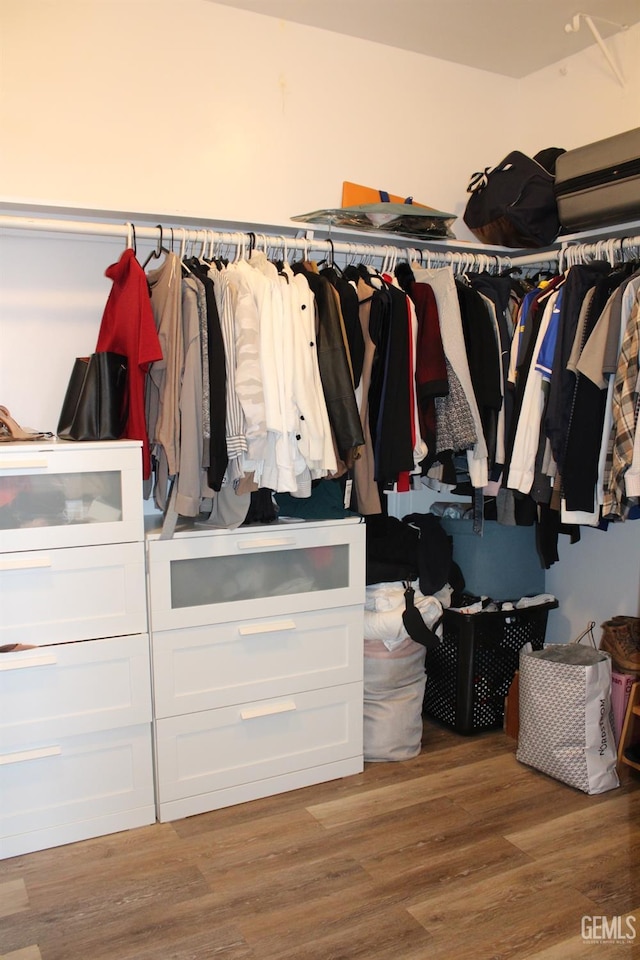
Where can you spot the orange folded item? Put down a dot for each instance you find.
(354, 193)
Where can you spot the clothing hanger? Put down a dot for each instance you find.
(203, 248)
(284, 255)
(131, 237)
(329, 260)
(388, 260)
(241, 247)
(183, 250)
(160, 249)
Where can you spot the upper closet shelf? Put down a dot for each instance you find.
(304, 238)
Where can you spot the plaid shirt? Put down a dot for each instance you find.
(616, 504)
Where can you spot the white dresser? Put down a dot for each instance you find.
(257, 650)
(75, 705)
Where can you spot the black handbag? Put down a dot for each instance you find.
(95, 404)
(513, 204)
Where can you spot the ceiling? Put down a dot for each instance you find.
(511, 37)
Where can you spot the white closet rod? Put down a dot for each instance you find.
(126, 232)
(434, 255)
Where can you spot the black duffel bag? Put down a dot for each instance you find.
(513, 204)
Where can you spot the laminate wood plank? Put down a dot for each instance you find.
(251, 839)
(612, 882)
(81, 858)
(411, 875)
(382, 936)
(392, 942)
(125, 880)
(13, 897)
(506, 915)
(358, 925)
(611, 812)
(99, 900)
(279, 885)
(393, 829)
(579, 947)
(518, 783)
(145, 929)
(28, 953)
(602, 866)
(482, 774)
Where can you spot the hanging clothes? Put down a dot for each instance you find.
(128, 328)
(163, 388)
(584, 432)
(367, 498)
(625, 417)
(483, 356)
(579, 280)
(335, 372)
(443, 284)
(393, 441)
(431, 376)
(217, 456)
(190, 473)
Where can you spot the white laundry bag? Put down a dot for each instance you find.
(393, 693)
(566, 728)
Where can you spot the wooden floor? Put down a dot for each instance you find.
(460, 853)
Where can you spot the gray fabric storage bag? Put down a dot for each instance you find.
(393, 694)
(566, 729)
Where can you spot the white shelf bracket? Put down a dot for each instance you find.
(574, 26)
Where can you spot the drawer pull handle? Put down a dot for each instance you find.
(40, 463)
(24, 755)
(267, 627)
(27, 564)
(267, 710)
(9, 663)
(273, 542)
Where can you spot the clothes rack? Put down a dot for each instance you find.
(460, 255)
(243, 241)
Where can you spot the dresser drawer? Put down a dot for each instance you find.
(224, 575)
(56, 494)
(57, 596)
(73, 688)
(206, 752)
(201, 668)
(57, 790)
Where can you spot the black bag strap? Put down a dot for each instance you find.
(479, 180)
(413, 622)
(547, 158)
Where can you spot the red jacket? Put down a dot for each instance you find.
(128, 328)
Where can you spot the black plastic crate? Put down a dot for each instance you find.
(470, 671)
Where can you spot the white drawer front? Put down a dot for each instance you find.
(255, 573)
(54, 782)
(223, 748)
(66, 495)
(73, 688)
(206, 667)
(57, 596)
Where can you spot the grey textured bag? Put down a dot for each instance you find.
(566, 729)
(393, 695)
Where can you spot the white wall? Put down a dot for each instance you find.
(190, 109)
(579, 100)
(197, 109)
